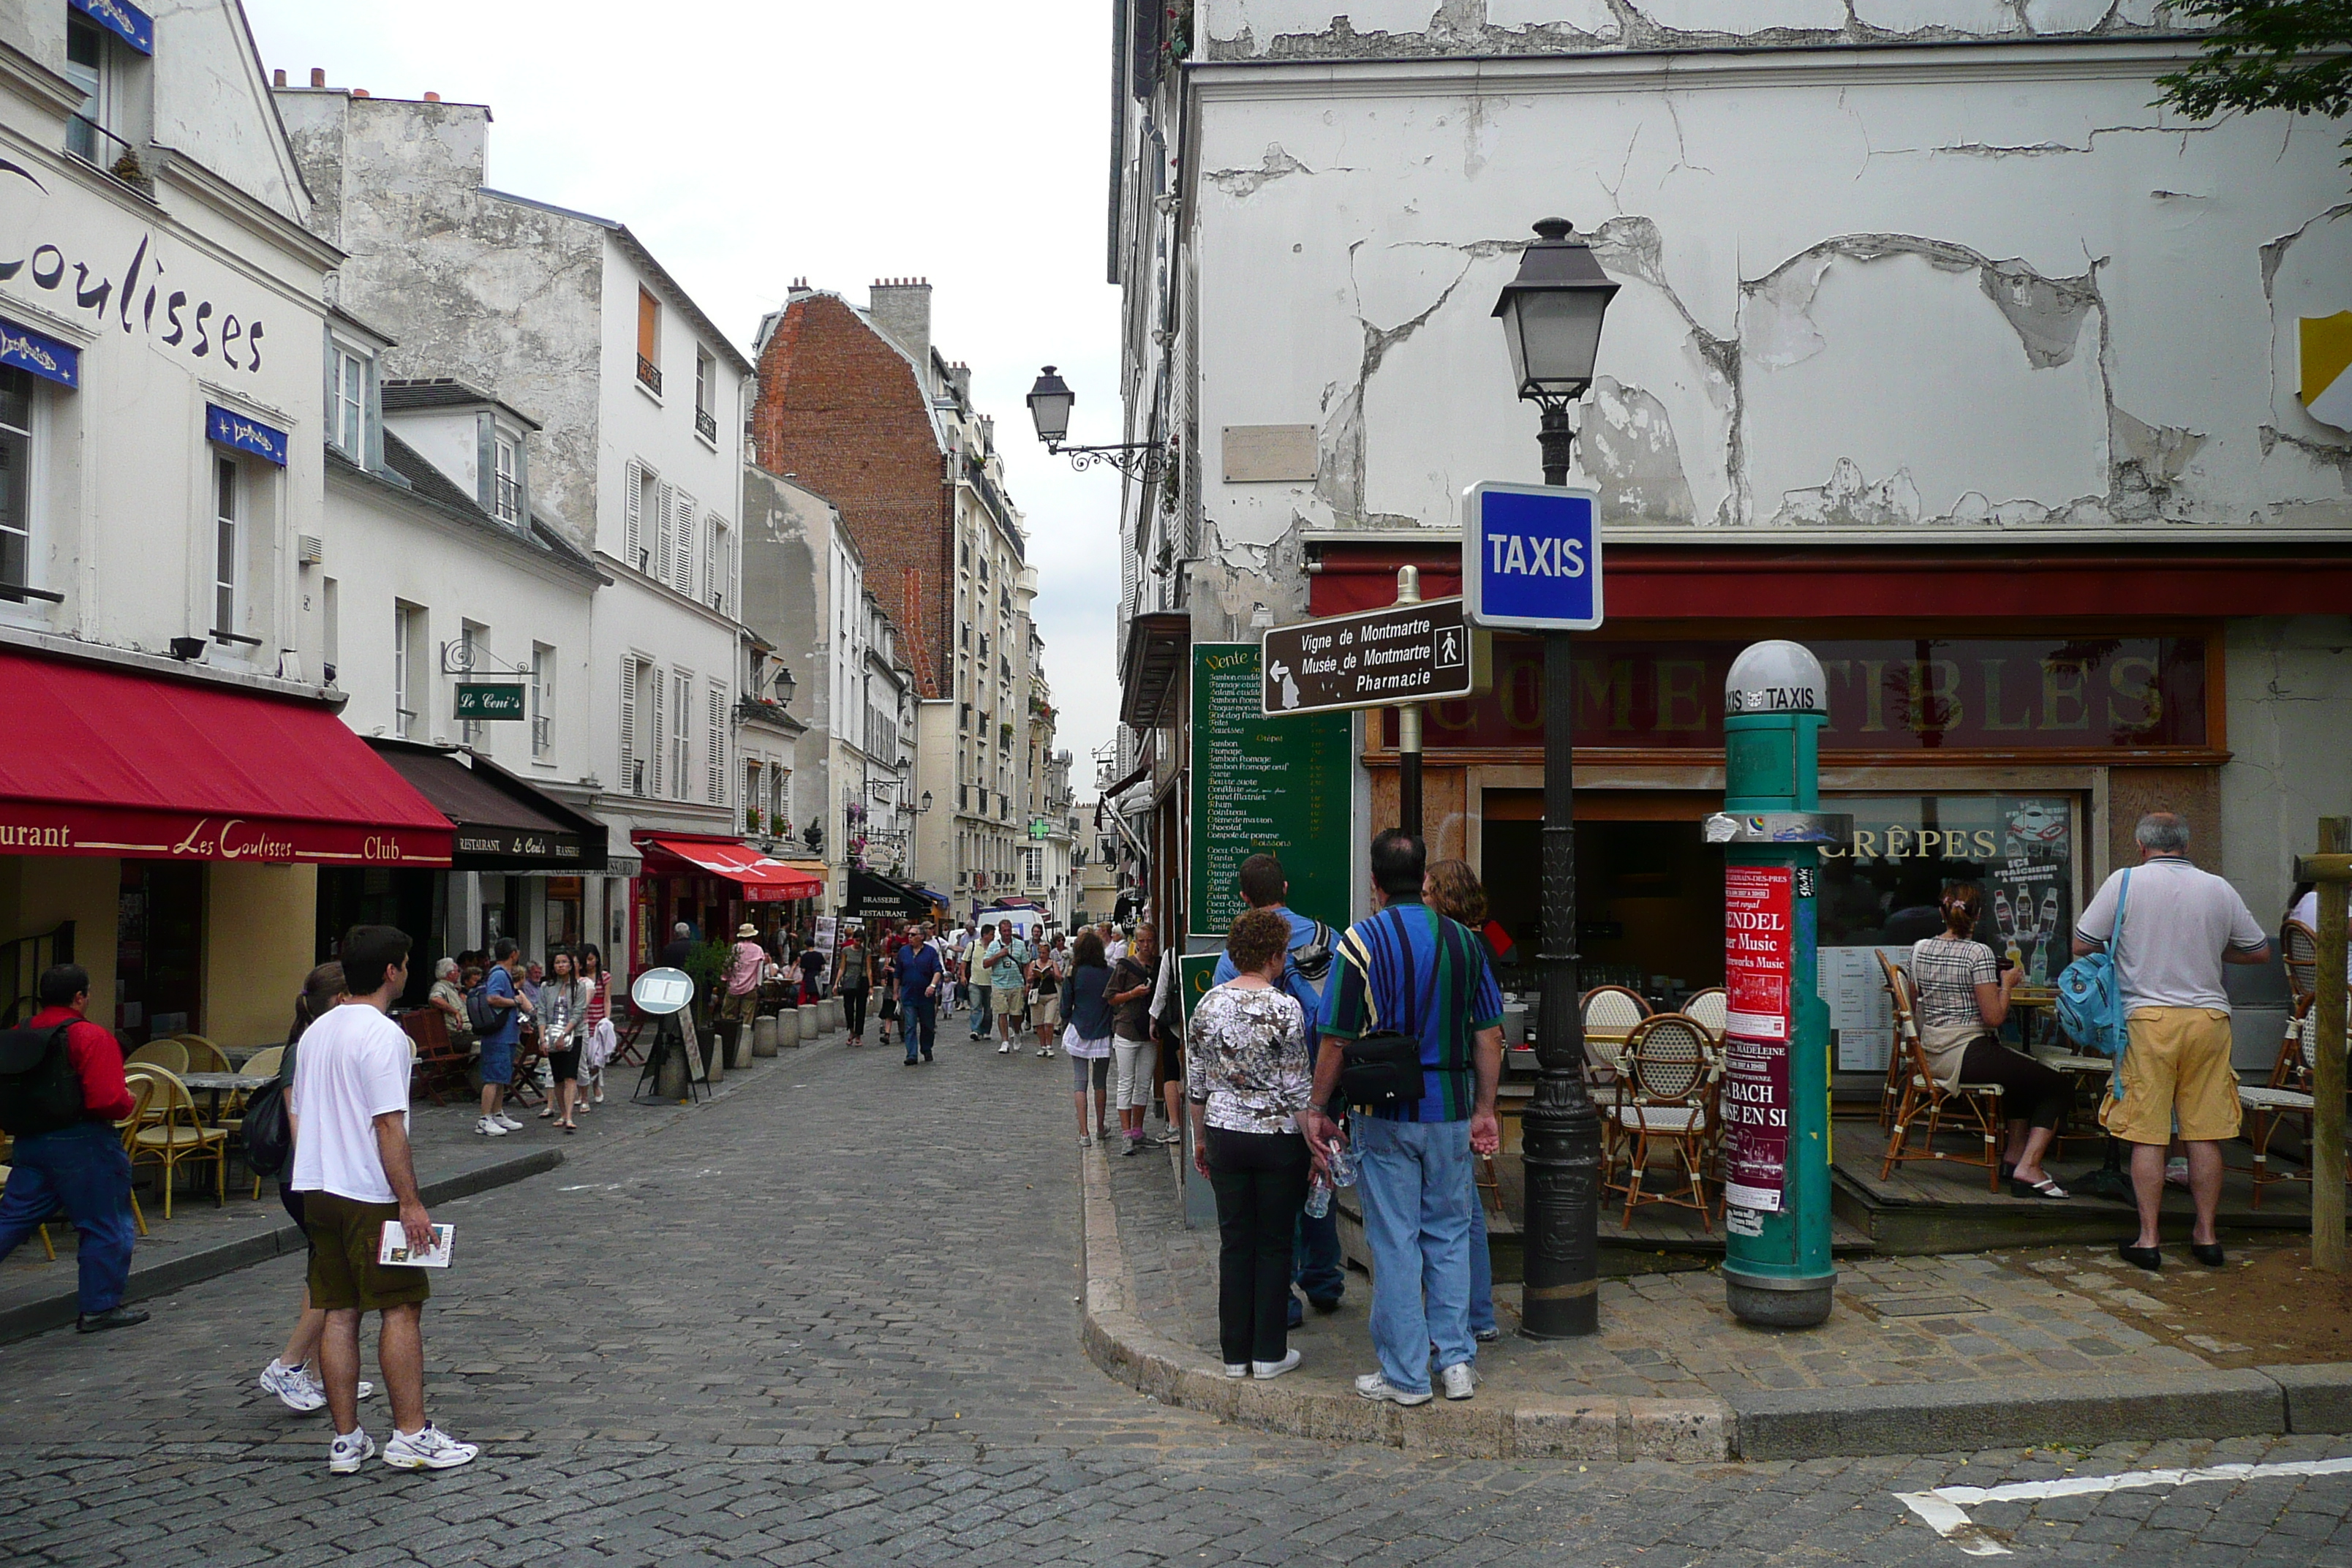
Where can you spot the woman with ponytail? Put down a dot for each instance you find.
(1963, 1000)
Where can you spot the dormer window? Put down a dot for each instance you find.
(506, 477)
(104, 39)
(347, 400)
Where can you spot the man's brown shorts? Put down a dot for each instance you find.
(345, 1236)
(2178, 1062)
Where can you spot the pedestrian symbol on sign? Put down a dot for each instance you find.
(1452, 647)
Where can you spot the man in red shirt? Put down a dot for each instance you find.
(80, 1169)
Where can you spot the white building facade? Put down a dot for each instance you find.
(1934, 347)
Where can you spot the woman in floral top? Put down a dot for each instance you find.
(1248, 1077)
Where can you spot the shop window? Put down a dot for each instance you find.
(159, 951)
(1882, 894)
(19, 399)
(347, 400)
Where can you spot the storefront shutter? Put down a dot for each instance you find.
(633, 526)
(629, 722)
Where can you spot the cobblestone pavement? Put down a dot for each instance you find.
(832, 1318)
(1669, 1336)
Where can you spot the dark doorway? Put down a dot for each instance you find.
(410, 901)
(159, 952)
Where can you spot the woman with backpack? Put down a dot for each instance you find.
(294, 1377)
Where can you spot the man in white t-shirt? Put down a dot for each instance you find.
(2179, 926)
(349, 1104)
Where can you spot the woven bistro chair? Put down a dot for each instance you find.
(171, 1056)
(2288, 1094)
(173, 1133)
(1711, 1008)
(1926, 1107)
(1611, 1012)
(1664, 1098)
(204, 1056)
(2300, 946)
(141, 1080)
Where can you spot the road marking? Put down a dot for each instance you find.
(1945, 1510)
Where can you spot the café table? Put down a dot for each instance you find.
(219, 1083)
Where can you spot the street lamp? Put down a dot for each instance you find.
(1050, 402)
(786, 685)
(1551, 316)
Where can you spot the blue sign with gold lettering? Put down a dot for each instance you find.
(122, 18)
(245, 433)
(40, 354)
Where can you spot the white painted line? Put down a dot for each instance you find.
(1945, 1510)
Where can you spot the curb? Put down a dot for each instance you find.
(164, 1275)
(1795, 1424)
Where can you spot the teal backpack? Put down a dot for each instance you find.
(2090, 1001)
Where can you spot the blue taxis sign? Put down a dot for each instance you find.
(1530, 557)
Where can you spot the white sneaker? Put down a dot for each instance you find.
(1004, 1049)
(1266, 1371)
(1237, 1369)
(508, 1123)
(1373, 1386)
(1461, 1380)
(294, 1391)
(349, 1451)
(317, 1385)
(427, 1448)
(489, 1129)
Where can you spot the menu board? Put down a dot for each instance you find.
(1758, 938)
(1862, 1016)
(1275, 787)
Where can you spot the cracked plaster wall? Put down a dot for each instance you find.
(2289, 707)
(1957, 301)
(1388, 29)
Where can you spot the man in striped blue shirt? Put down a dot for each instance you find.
(1409, 970)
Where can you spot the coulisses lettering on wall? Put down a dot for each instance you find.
(139, 297)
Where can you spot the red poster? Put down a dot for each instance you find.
(1758, 940)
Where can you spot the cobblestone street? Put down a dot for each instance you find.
(831, 1317)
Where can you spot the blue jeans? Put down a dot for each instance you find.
(981, 1020)
(1315, 1260)
(919, 1021)
(1415, 1182)
(83, 1171)
(1481, 1270)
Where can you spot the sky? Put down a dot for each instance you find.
(749, 143)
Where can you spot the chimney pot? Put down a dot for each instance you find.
(359, 92)
(277, 77)
(318, 76)
(432, 97)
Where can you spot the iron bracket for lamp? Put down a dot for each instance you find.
(1142, 461)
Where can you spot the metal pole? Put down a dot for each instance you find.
(1409, 726)
(2327, 1251)
(1561, 1131)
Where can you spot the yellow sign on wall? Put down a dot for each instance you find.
(2325, 361)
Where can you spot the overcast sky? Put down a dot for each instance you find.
(749, 143)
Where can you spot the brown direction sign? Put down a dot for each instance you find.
(1421, 652)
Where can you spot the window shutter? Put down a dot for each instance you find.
(715, 740)
(682, 525)
(628, 723)
(633, 483)
(659, 524)
(653, 756)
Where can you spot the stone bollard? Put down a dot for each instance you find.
(716, 1073)
(763, 1035)
(812, 1026)
(739, 1044)
(831, 1014)
(674, 1081)
(788, 1026)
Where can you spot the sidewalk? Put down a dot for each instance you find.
(201, 1241)
(1920, 1355)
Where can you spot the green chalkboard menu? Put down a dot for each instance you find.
(1260, 785)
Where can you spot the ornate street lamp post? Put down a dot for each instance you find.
(1551, 315)
(1050, 402)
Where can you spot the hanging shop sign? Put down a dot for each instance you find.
(487, 702)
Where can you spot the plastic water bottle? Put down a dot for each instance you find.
(1342, 1166)
(1318, 1198)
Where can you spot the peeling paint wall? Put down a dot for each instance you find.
(1957, 295)
(1391, 30)
(2289, 707)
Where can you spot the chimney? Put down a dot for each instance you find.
(902, 307)
(318, 76)
(359, 92)
(962, 378)
(278, 78)
(432, 97)
(799, 290)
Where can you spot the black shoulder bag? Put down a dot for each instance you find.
(1380, 1070)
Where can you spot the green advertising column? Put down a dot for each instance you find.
(1775, 1095)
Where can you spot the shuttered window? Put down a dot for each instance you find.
(655, 731)
(632, 774)
(633, 502)
(681, 576)
(657, 523)
(714, 741)
(681, 736)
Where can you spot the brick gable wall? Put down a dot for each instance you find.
(839, 408)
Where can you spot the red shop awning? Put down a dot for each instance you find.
(99, 760)
(762, 879)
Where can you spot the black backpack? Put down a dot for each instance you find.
(484, 1017)
(39, 1089)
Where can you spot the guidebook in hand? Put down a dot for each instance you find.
(395, 1248)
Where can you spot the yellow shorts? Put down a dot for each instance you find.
(2179, 1063)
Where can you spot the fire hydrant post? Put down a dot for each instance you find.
(1774, 1097)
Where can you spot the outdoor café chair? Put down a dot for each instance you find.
(202, 1055)
(263, 1063)
(2300, 946)
(1610, 1014)
(2289, 1093)
(170, 1134)
(141, 1084)
(1711, 1008)
(170, 1055)
(439, 1063)
(1664, 1098)
(1925, 1105)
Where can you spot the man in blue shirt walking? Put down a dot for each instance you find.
(1317, 1264)
(1410, 971)
(918, 988)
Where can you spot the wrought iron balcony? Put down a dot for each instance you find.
(649, 373)
(704, 420)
